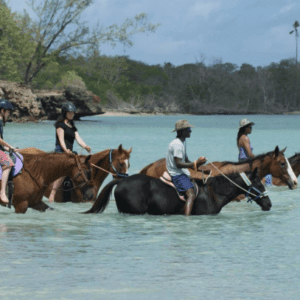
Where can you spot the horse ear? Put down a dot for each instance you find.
(129, 151)
(282, 151)
(276, 151)
(120, 148)
(253, 174)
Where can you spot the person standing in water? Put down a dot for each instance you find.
(66, 133)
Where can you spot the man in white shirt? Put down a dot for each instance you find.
(178, 162)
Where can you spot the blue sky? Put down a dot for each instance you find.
(235, 31)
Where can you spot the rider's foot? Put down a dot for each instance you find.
(4, 199)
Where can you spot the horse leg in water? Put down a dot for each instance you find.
(41, 206)
(21, 207)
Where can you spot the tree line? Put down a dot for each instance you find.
(46, 56)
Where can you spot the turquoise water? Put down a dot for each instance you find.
(242, 253)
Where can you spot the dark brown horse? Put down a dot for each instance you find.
(104, 162)
(273, 162)
(40, 170)
(295, 164)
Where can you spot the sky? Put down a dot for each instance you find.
(234, 31)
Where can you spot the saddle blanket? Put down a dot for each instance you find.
(166, 178)
(17, 167)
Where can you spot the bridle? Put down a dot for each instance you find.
(117, 173)
(113, 167)
(250, 188)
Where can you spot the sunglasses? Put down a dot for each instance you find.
(189, 129)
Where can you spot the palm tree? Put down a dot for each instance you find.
(296, 25)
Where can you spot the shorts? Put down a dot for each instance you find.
(182, 182)
(5, 160)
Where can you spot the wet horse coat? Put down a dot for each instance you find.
(141, 194)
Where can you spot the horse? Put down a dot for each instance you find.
(40, 170)
(295, 164)
(141, 194)
(273, 162)
(115, 162)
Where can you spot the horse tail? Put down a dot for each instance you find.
(144, 170)
(103, 198)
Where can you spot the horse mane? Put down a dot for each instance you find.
(295, 158)
(249, 160)
(218, 179)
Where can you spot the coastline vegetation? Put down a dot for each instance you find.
(29, 55)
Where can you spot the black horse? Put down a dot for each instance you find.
(140, 194)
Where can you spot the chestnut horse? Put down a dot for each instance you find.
(107, 161)
(273, 162)
(295, 164)
(40, 170)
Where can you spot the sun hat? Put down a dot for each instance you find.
(182, 124)
(245, 122)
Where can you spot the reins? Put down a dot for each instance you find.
(246, 180)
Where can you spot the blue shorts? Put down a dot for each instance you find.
(268, 180)
(182, 182)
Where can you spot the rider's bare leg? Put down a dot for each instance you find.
(56, 184)
(189, 202)
(5, 174)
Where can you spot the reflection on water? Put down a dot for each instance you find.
(242, 253)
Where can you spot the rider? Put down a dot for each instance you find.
(245, 147)
(5, 161)
(178, 162)
(66, 133)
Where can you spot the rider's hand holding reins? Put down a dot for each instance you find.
(200, 161)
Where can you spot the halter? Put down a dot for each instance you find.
(113, 167)
(249, 184)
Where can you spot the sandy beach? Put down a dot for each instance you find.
(113, 113)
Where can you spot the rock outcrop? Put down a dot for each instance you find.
(45, 104)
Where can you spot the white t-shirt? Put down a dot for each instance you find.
(176, 149)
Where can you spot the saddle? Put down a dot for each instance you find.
(166, 178)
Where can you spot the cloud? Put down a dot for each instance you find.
(285, 9)
(203, 8)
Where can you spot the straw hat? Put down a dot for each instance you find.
(182, 124)
(245, 122)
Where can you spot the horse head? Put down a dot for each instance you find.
(256, 191)
(82, 177)
(281, 168)
(119, 161)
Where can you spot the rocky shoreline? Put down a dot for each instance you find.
(32, 106)
(35, 105)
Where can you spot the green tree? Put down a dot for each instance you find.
(15, 45)
(59, 31)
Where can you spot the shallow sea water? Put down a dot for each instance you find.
(242, 253)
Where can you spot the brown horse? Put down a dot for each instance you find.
(273, 162)
(40, 170)
(102, 167)
(295, 164)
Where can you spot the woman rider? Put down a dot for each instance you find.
(66, 133)
(5, 161)
(244, 144)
